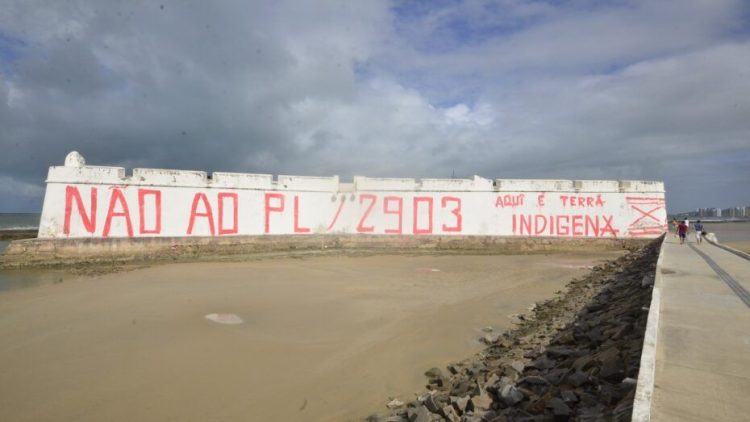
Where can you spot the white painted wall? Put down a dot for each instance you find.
(192, 204)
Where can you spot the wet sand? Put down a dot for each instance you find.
(736, 231)
(739, 245)
(733, 234)
(324, 338)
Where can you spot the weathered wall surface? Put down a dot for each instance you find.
(103, 202)
(111, 251)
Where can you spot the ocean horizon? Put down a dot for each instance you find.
(19, 221)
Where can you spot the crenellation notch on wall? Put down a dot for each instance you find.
(86, 174)
(597, 186)
(308, 183)
(242, 181)
(534, 185)
(641, 186)
(477, 184)
(362, 183)
(164, 177)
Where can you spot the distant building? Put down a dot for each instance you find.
(731, 212)
(712, 212)
(734, 212)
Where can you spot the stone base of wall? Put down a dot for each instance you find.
(17, 234)
(65, 252)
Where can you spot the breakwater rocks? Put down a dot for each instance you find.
(573, 357)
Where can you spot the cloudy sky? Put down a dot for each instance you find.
(575, 89)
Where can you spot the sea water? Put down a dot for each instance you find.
(736, 231)
(10, 279)
(19, 221)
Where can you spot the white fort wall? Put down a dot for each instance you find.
(96, 202)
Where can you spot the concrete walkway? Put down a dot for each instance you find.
(703, 350)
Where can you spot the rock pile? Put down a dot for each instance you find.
(574, 357)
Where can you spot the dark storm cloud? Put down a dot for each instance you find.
(499, 88)
(185, 86)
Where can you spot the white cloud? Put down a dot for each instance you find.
(462, 114)
(503, 89)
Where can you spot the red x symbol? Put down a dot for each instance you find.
(645, 214)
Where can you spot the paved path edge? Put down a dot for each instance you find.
(728, 249)
(645, 387)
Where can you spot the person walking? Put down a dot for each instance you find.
(698, 226)
(682, 230)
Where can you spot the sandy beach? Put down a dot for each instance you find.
(324, 338)
(733, 234)
(739, 245)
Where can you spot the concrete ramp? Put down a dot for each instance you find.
(701, 362)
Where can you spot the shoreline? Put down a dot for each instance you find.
(722, 221)
(345, 330)
(18, 234)
(62, 253)
(575, 355)
(743, 246)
